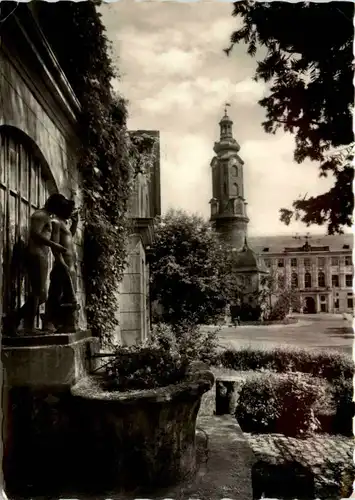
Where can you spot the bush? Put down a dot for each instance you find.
(190, 342)
(136, 368)
(327, 364)
(279, 404)
(343, 391)
(162, 360)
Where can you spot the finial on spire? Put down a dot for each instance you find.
(225, 108)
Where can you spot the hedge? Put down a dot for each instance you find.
(319, 363)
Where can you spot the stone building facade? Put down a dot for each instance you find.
(38, 144)
(134, 300)
(320, 268)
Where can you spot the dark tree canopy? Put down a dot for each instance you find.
(309, 69)
(190, 270)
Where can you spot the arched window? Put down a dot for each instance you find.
(307, 280)
(294, 280)
(321, 279)
(235, 171)
(235, 189)
(25, 184)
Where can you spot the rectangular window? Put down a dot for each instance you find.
(308, 280)
(293, 262)
(280, 263)
(321, 261)
(267, 262)
(307, 262)
(336, 303)
(350, 303)
(335, 280)
(348, 260)
(335, 261)
(281, 281)
(349, 280)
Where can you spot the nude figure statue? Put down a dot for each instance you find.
(36, 265)
(61, 306)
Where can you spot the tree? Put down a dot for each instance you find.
(276, 297)
(189, 270)
(309, 70)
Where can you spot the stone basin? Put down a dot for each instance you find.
(138, 440)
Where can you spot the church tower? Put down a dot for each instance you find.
(228, 206)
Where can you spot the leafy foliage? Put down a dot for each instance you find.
(309, 72)
(191, 343)
(279, 403)
(343, 392)
(108, 158)
(137, 368)
(189, 270)
(163, 359)
(276, 297)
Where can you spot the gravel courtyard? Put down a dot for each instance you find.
(325, 331)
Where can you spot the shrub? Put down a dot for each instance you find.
(279, 403)
(162, 360)
(327, 364)
(148, 367)
(190, 342)
(345, 408)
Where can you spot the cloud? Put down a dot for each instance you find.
(177, 78)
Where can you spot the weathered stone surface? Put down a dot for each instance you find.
(40, 424)
(47, 365)
(139, 439)
(323, 462)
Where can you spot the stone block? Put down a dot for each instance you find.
(131, 321)
(131, 283)
(130, 337)
(131, 302)
(48, 365)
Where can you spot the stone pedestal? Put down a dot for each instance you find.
(39, 421)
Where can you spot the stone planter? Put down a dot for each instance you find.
(139, 440)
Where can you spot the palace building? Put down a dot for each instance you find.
(320, 268)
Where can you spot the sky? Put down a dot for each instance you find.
(177, 78)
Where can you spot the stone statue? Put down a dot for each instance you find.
(62, 306)
(36, 257)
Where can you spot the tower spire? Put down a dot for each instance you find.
(228, 206)
(226, 125)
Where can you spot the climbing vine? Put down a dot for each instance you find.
(109, 157)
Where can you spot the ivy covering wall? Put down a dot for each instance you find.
(109, 157)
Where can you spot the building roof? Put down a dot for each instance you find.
(225, 119)
(248, 260)
(289, 243)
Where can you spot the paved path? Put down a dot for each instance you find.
(318, 331)
(320, 454)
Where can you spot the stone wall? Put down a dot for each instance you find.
(27, 105)
(133, 314)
